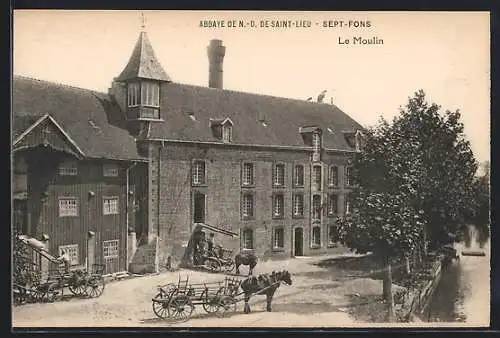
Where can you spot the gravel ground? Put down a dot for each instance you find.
(321, 296)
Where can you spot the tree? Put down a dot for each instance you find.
(448, 167)
(413, 182)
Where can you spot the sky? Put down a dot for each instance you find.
(447, 54)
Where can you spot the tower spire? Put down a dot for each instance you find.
(143, 22)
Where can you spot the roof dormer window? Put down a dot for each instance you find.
(227, 133)
(222, 129)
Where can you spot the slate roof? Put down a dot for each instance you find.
(283, 117)
(85, 115)
(143, 63)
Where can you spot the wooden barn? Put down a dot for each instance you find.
(71, 174)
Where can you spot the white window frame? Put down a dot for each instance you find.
(245, 240)
(111, 248)
(73, 252)
(279, 175)
(110, 170)
(150, 94)
(347, 176)
(296, 176)
(316, 208)
(278, 205)
(316, 142)
(333, 204)
(199, 172)
(333, 176)
(68, 168)
(227, 133)
(298, 205)
(315, 243)
(133, 94)
(110, 205)
(68, 206)
(248, 175)
(278, 238)
(248, 205)
(317, 173)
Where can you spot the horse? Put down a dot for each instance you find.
(264, 284)
(245, 259)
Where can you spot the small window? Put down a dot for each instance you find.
(316, 141)
(248, 174)
(72, 251)
(68, 169)
(333, 235)
(299, 175)
(278, 205)
(110, 248)
(247, 238)
(198, 172)
(316, 236)
(110, 206)
(110, 170)
(278, 238)
(316, 207)
(333, 174)
(150, 94)
(227, 133)
(317, 176)
(133, 94)
(247, 205)
(332, 204)
(347, 204)
(279, 175)
(348, 178)
(298, 205)
(68, 206)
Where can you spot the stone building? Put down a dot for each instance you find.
(272, 170)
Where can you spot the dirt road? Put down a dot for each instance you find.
(319, 297)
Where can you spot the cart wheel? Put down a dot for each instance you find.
(95, 287)
(180, 308)
(229, 266)
(213, 265)
(160, 306)
(211, 304)
(226, 306)
(78, 290)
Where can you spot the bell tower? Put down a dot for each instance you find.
(138, 88)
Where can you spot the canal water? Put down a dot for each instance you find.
(463, 293)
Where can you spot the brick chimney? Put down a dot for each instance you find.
(216, 52)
